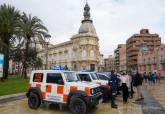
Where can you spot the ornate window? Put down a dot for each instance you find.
(92, 54)
(84, 53)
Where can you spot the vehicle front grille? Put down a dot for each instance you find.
(97, 90)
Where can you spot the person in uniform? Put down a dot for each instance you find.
(113, 85)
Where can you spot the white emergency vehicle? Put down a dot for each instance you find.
(92, 77)
(62, 87)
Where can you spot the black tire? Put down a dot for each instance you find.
(93, 106)
(77, 106)
(34, 101)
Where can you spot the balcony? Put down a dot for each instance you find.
(140, 62)
(162, 59)
(153, 61)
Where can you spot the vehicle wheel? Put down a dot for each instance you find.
(77, 106)
(34, 101)
(93, 106)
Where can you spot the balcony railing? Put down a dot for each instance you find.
(153, 61)
(162, 59)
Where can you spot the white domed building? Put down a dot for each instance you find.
(81, 52)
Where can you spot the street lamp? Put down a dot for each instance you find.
(47, 38)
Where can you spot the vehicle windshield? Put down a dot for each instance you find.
(94, 76)
(102, 77)
(70, 76)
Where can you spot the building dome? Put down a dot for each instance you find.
(87, 27)
(87, 24)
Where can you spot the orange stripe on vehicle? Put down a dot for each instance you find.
(65, 98)
(43, 95)
(38, 86)
(73, 88)
(48, 88)
(87, 91)
(60, 89)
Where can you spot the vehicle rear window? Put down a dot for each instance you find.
(37, 77)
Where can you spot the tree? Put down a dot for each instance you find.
(32, 29)
(9, 29)
(38, 63)
(33, 60)
(16, 55)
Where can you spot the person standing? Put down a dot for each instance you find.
(150, 78)
(153, 76)
(158, 77)
(138, 80)
(131, 85)
(145, 77)
(113, 84)
(119, 85)
(125, 84)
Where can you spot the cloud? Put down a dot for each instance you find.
(115, 20)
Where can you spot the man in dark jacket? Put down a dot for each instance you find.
(138, 80)
(114, 86)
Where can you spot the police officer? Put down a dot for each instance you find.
(114, 85)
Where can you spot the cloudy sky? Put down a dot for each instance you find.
(114, 20)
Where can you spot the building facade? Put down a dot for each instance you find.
(120, 58)
(109, 64)
(81, 52)
(116, 59)
(101, 63)
(152, 61)
(133, 46)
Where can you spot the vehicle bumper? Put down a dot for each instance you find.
(94, 100)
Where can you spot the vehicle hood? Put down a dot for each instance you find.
(82, 84)
(102, 82)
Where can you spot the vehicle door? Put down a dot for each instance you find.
(54, 87)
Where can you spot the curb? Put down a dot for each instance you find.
(13, 97)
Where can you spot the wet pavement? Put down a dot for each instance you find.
(153, 103)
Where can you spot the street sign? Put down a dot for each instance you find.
(1, 65)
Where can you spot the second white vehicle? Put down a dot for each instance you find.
(92, 77)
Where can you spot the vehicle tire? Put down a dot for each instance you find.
(93, 106)
(34, 101)
(77, 106)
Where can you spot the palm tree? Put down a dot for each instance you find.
(9, 28)
(32, 30)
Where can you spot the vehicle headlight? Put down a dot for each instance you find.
(92, 91)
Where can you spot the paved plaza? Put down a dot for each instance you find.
(154, 103)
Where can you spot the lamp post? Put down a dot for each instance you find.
(47, 36)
